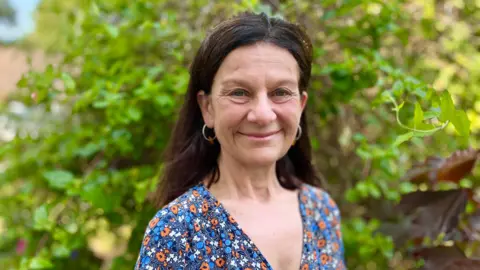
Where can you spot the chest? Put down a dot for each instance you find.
(277, 231)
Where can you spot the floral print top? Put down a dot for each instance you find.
(195, 232)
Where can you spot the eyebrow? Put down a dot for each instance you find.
(235, 81)
(239, 81)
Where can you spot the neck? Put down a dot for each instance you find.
(242, 182)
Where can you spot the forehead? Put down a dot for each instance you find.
(261, 61)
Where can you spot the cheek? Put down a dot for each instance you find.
(289, 113)
(228, 115)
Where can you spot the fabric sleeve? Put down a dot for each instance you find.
(336, 232)
(162, 246)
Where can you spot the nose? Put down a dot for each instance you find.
(261, 112)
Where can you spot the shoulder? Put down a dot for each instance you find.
(168, 231)
(325, 214)
(322, 208)
(319, 198)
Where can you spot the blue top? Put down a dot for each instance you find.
(196, 232)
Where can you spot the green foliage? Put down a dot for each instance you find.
(364, 243)
(87, 149)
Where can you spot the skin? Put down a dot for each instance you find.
(254, 108)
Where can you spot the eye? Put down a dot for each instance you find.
(239, 93)
(282, 92)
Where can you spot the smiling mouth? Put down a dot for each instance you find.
(260, 135)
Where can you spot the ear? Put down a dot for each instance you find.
(303, 99)
(205, 103)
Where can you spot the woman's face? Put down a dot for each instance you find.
(255, 104)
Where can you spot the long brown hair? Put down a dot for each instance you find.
(189, 157)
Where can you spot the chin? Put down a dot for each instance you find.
(262, 157)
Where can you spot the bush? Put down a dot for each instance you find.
(88, 144)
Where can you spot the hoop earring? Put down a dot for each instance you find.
(209, 139)
(299, 134)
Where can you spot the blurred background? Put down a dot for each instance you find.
(89, 92)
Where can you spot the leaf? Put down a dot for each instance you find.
(112, 30)
(436, 212)
(40, 219)
(59, 179)
(461, 123)
(403, 138)
(68, 81)
(134, 113)
(458, 165)
(100, 104)
(40, 263)
(447, 108)
(163, 100)
(446, 258)
(434, 113)
(60, 251)
(418, 116)
(401, 105)
(97, 194)
(398, 88)
(452, 169)
(88, 149)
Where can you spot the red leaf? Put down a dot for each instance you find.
(426, 171)
(461, 264)
(458, 165)
(433, 212)
(453, 168)
(446, 258)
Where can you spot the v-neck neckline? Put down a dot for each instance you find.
(221, 207)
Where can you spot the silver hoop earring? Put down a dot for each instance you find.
(210, 139)
(299, 134)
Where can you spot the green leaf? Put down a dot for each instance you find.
(60, 251)
(40, 219)
(100, 104)
(418, 116)
(163, 100)
(68, 81)
(88, 149)
(40, 263)
(461, 123)
(403, 138)
(398, 88)
(23, 82)
(374, 191)
(134, 113)
(352, 195)
(447, 107)
(329, 15)
(401, 105)
(59, 179)
(421, 92)
(97, 193)
(363, 153)
(140, 191)
(112, 30)
(433, 113)
(406, 187)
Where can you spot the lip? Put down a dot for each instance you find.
(260, 136)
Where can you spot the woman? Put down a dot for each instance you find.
(238, 187)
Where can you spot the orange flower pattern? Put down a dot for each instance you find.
(195, 232)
